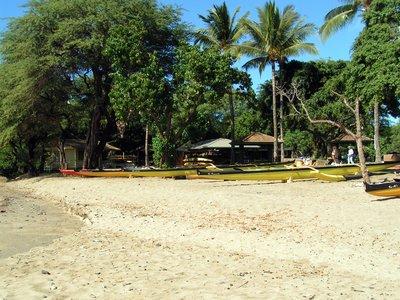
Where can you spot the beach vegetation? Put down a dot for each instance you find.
(132, 72)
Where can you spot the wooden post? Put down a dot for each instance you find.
(146, 147)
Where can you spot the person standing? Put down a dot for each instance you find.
(335, 155)
(350, 156)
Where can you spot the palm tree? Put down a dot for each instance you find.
(223, 32)
(272, 40)
(336, 19)
(342, 15)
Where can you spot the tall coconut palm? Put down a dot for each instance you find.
(223, 31)
(336, 19)
(274, 38)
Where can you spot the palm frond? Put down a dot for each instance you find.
(254, 30)
(300, 48)
(203, 37)
(337, 18)
(258, 62)
(222, 29)
(276, 36)
(239, 29)
(250, 49)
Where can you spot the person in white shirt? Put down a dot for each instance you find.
(350, 156)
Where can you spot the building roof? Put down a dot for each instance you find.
(220, 143)
(346, 138)
(259, 138)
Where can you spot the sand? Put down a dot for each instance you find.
(161, 238)
(26, 222)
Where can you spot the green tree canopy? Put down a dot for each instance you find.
(375, 66)
(169, 102)
(58, 52)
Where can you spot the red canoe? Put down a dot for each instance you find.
(69, 172)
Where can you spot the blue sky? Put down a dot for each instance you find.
(338, 47)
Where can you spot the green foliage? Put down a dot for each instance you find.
(8, 162)
(73, 68)
(30, 97)
(163, 151)
(249, 121)
(55, 74)
(374, 73)
(369, 152)
(301, 142)
(391, 142)
(167, 98)
(315, 81)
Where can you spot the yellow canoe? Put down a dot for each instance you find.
(167, 173)
(128, 174)
(386, 189)
(327, 173)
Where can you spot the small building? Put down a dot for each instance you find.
(74, 150)
(256, 147)
(343, 141)
(348, 139)
(218, 150)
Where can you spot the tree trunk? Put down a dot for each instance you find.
(146, 147)
(31, 157)
(95, 139)
(61, 150)
(232, 111)
(42, 159)
(274, 121)
(281, 126)
(90, 157)
(377, 145)
(360, 149)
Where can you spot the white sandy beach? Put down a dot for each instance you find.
(161, 238)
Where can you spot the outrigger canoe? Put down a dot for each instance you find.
(385, 189)
(167, 173)
(326, 173)
(137, 173)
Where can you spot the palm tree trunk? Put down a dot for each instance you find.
(360, 148)
(377, 145)
(274, 121)
(146, 147)
(281, 126)
(232, 111)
